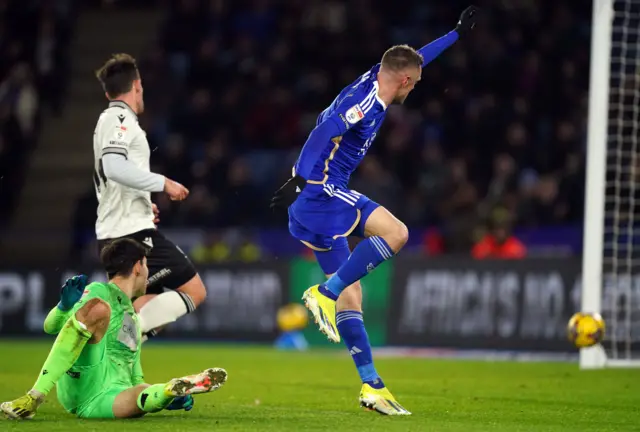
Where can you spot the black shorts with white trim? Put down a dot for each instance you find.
(169, 266)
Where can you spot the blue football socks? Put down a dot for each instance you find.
(365, 257)
(351, 328)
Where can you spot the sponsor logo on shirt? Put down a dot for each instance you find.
(346, 123)
(74, 375)
(354, 114)
(120, 133)
(158, 276)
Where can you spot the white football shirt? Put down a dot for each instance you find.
(121, 210)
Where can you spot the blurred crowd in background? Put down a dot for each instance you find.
(493, 137)
(34, 38)
(494, 133)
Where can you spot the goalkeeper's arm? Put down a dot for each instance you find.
(55, 320)
(70, 293)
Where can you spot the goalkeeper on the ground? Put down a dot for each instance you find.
(95, 359)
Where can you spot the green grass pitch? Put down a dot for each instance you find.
(269, 390)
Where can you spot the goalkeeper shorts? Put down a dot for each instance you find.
(101, 405)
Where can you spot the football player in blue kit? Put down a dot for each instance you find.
(323, 211)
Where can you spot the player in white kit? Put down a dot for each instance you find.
(124, 183)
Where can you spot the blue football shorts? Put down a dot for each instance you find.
(324, 216)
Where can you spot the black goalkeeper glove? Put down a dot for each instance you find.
(288, 192)
(468, 19)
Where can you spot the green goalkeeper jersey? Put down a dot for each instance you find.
(112, 363)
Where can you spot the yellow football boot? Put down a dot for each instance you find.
(323, 310)
(380, 400)
(23, 408)
(204, 382)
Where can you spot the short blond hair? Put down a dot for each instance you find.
(400, 57)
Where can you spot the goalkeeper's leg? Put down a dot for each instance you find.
(144, 398)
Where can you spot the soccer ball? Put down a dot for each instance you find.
(292, 317)
(585, 329)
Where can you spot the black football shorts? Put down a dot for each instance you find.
(169, 267)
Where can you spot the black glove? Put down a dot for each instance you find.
(468, 19)
(288, 192)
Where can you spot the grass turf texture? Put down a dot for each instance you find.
(318, 390)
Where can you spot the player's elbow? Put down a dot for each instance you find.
(108, 167)
(328, 129)
(94, 314)
(114, 167)
(49, 329)
(109, 174)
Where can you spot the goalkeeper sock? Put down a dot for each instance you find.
(65, 351)
(152, 399)
(164, 309)
(365, 257)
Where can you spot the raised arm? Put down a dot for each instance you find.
(70, 293)
(466, 23)
(432, 50)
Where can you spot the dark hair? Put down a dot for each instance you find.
(118, 74)
(120, 256)
(399, 57)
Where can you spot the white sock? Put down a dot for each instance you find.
(164, 309)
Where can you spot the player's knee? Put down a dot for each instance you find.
(141, 301)
(403, 233)
(141, 387)
(94, 314)
(125, 405)
(397, 236)
(195, 289)
(200, 295)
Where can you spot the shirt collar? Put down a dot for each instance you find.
(377, 87)
(120, 295)
(123, 105)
